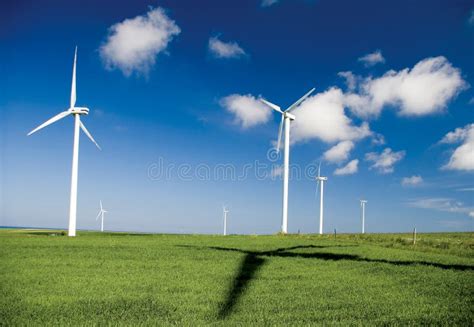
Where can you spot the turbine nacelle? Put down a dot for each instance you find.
(79, 110)
(321, 178)
(288, 115)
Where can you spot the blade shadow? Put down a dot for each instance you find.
(248, 268)
(254, 260)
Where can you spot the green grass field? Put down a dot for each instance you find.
(132, 279)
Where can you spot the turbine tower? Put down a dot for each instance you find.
(101, 214)
(225, 212)
(286, 118)
(320, 179)
(362, 207)
(76, 112)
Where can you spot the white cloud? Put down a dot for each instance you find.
(340, 152)
(222, 49)
(372, 59)
(471, 18)
(385, 161)
(268, 3)
(442, 204)
(350, 79)
(471, 101)
(133, 45)
(458, 135)
(463, 156)
(425, 89)
(378, 139)
(412, 181)
(322, 116)
(247, 110)
(349, 169)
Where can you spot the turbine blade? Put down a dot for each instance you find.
(280, 132)
(297, 103)
(84, 129)
(98, 215)
(317, 189)
(271, 105)
(73, 83)
(50, 121)
(319, 169)
(100, 201)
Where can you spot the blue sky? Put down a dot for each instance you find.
(174, 84)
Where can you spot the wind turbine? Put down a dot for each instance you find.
(286, 118)
(76, 112)
(362, 207)
(320, 179)
(101, 214)
(225, 212)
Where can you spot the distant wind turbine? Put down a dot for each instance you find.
(286, 118)
(320, 179)
(362, 207)
(76, 112)
(101, 214)
(225, 212)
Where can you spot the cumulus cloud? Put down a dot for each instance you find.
(412, 181)
(378, 139)
(384, 162)
(350, 79)
(471, 18)
(319, 117)
(442, 204)
(322, 116)
(133, 44)
(425, 89)
(268, 3)
(459, 134)
(247, 110)
(372, 59)
(339, 153)
(222, 49)
(349, 169)
(463, 156)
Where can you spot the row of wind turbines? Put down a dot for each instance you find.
(286, 117)
(225, 211)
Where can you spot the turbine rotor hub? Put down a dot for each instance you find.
(80, 110)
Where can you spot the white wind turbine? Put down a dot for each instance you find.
(286, 118)
(320, 179)
(362, 208)
(101, 214)
(225, 212)
(76, 112)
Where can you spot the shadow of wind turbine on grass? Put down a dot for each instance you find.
(254, 260)
(248, 268)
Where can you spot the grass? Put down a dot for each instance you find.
(140, 279)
